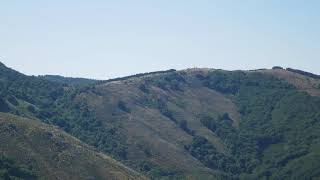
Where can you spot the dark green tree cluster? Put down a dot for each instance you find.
(13, 170)
(221, 126)
(203, 150)
(79, 120)
(154, 171)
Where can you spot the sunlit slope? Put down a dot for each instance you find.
(232, 122)
(49, 153)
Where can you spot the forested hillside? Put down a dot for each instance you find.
(33, 150)
(189, 124)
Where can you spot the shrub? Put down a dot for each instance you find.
(123, 107)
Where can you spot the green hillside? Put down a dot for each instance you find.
(33, 150)
(189, 124)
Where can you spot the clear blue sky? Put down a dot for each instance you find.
(105, 39)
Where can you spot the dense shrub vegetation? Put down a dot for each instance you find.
(154, 171)
(79, 120)
(274, 115)
(13, 170)
(55, 103)
(201, 149)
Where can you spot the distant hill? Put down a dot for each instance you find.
(188, 124)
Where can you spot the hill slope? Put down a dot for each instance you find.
(301, 82)
(238, 124)
(190, 124)
(46, 152)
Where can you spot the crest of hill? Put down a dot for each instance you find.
(148, 74)
(302, 80)
(68, 80)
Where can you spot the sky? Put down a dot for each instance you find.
(107, 39)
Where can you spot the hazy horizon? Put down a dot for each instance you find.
(103, 40)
